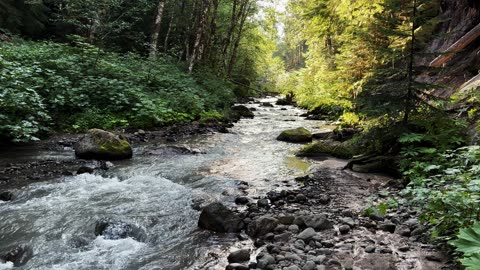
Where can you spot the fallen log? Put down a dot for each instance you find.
(461, 44)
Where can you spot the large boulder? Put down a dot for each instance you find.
(298, 135)
(103, 145)
(332, 148)
(218, 218)
(114, 230)
(262, 226)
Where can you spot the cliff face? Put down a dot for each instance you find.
(458, 17)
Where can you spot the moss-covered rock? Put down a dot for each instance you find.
(103, 145)
(298, 135)
(332, 148)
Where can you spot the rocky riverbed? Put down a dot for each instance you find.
(320, 225)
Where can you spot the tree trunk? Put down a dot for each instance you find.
(408, 100)
(213, 32)
(243, 17)
(156, 29)
(200, 32)
(228, 38)
(165, 43)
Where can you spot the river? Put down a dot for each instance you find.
(56, 217)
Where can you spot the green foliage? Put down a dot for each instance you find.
(468, 243)
(43, 83)
(446, 190)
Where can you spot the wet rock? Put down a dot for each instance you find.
(174, 150)
(385, 251)
(217, 217)
(263, 203)
(103, 145)
(265, 261)
(286, 220)
(242, 111)
(307, 234)
(85, 169)
(387, 227)
(242, 200)
(403, 230)
(370, 249)
(267, 104)
(262, 226)
(324, 199)
(344, 229)
(301, 198)
(236, 266)
(404, 248)
(237, 256)
(309, 265)
(292, 267)
(18, 255)
(114, 230)
(283, 237)
(318, 222)
(348, 221)
(6, 196)
(298, 135)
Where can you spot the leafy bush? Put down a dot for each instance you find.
(44, 82)
(447, 190)
(468, 243)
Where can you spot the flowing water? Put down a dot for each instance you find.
(57, 218)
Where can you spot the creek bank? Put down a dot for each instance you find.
(322, 225)
(15, 173)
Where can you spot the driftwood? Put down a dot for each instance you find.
(461, 44)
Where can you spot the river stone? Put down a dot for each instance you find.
(114, 230)
(292, 267)
(387, 227)
(6, 196)
(307, 234)
(299, 135)
(84, 170)
(242, 200)
(237, 256)
(318, 222)
(265, 261)
(236, 266)
(218, 218)
(309, 265)
(262, 226)
(103, 145)
(242, 111)
(18, 255)
(344, 229)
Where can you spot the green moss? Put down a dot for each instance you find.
(336, 149)
(296, 135)
(109, 143)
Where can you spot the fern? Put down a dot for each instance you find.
(468, 243)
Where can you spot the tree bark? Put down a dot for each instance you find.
(200, 33)
(156, 29)
(245, 7)
(408, 100)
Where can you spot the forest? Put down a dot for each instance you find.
(397, 79)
